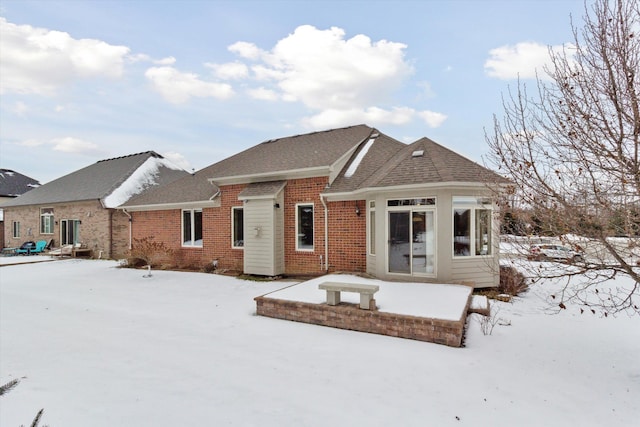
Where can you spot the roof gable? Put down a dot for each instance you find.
(422, 162)
(107, 180)
(13, 184)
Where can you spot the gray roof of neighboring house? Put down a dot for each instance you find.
(99, 180)
(13, 184)
(388, 164)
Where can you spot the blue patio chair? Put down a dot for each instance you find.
(29, 248)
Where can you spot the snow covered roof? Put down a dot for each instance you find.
(112, 181)
(13, 184)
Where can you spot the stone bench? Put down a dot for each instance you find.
(366, 293)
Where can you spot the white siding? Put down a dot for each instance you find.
(264, 237)
(259, 237)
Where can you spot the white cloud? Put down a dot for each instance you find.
(246, 50)
(178, 87)
(346, 80)
(521, 60)
(263, 94)
(178, 160)
(396, 116)
(432, 119)
(70, 144)
(324, 70)
(230, 70)
(67, 144)
(143, 57)
(39, 61)
(20, 109)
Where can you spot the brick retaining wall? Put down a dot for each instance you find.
(349, 316)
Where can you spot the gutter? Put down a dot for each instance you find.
(130, 226)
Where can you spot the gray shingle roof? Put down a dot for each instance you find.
(95, 182)
(257, 190)
(387, 163)
(13, 184)
(312, 150)
(393, 165)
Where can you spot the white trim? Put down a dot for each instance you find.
(450, 186)
(371, 225)
(272, 176)
(433, 209)
(171, 206)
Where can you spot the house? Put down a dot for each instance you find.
(81, 207)
(350, 199)
(12, 184)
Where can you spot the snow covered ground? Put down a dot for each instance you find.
(96, 345)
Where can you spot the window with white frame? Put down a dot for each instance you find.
(46, 220)
(15, 228)
(472, 234)
(192, 227)
(372, 227)
(304, 227)
(237, 227)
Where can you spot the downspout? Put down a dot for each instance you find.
(130, 226)
(326, 233)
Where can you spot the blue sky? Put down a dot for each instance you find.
(197, 81)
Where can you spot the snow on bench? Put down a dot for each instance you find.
(366, 292)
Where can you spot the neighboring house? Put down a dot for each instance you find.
(12, 185)
(350, 199)
(80, 207)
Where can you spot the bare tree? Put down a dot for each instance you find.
(571, 150)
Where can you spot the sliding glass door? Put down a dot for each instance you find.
(69, 231)
(411, 242)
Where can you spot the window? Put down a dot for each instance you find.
(372, 227)
(192, 227)
(46, 220)
(471, 217)
(429, 201)
(304, 227)
(69, 231)
(237, 225)
(15, 226)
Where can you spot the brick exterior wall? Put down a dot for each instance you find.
(166, 227)
(304, 191)
(104, 231)
(347, 236)
(347, 244)
(349, 316)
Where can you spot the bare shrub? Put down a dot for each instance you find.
(512, 282)
(146, 251)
